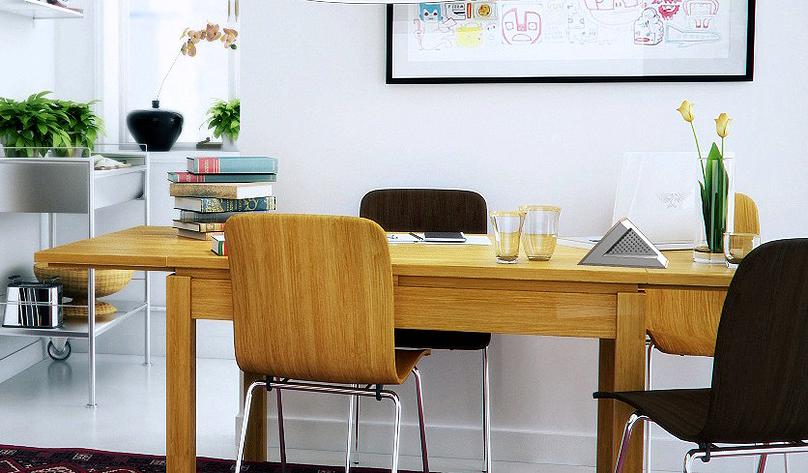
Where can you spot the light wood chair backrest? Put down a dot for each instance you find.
(672, 323)
(312, 298)
(747, 217)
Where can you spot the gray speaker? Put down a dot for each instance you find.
(625, 245)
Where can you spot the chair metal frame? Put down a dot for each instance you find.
(486, 374)
(649, 364)
(355, 392)
(705, 453)
(486, 416)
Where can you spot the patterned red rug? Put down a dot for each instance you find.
(77, 460)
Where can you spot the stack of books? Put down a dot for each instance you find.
(215, 188)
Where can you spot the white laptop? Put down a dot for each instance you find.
(657, 192)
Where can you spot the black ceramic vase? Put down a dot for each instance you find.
(157, 129)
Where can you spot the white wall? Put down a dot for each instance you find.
(29, 53)
(313, 95)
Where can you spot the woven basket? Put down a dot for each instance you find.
(74, 282)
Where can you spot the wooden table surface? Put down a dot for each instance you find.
(438, 287)
(160, 249)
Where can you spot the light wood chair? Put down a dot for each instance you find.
(671, 328)
(313, 304)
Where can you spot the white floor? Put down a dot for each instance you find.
(44, 406)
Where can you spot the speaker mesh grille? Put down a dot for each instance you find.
(631, 244)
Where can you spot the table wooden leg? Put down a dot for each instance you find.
(622, 368)
(256, 447)
(180, 377)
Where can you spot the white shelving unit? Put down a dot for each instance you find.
(77, 328)
(38, 10)
(74, 186)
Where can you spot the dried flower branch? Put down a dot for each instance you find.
(210, 33)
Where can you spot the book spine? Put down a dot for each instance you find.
(187, 177)
(219, 190)
(199, 226)
(232, 165)
(213, 204)
(211, 227)
(189, 216)
(219, 247)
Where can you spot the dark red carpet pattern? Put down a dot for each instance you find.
(74, 460)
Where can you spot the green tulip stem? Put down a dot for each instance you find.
(698, 149)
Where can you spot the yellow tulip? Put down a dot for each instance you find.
(686, 109)
(721, 124)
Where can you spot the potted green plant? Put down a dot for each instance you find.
(38, 124)
(224, 119)
(83, 126)
(32, 126)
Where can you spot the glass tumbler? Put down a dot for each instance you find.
(738, 245)
(540, 232)
(507, 233)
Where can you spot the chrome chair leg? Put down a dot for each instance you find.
(335, 389)
(357, 405)
(649, 358)
(397, 432)
(761, 466)
(281, 432)
(245, 422)
(624, 442)
(349, 437)
(785, 462)
(688, 466)
(421, 422)
(486, 412)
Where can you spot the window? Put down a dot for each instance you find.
(154, 29)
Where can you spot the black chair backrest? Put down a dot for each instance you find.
(760, 372)
(425, 210)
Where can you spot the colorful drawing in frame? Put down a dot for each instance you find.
(571, 41)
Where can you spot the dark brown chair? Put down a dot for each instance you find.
(758, 402)
(439, 210)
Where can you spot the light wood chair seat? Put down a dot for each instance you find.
(406, 360)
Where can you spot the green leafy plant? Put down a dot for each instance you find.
(224, 118)
(39, 123)
(714, 186)
(83, 127)
(34, 124)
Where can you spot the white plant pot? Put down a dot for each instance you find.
(228, 144)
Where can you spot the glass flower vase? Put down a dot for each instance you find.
(715, 209)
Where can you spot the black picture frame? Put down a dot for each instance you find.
(748, 76)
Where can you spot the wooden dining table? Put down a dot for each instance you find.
(437, 287)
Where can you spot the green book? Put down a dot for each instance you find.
(220, 178)
(232, 165)
(214, 204)
(188, 216)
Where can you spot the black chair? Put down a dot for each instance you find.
(420, 210)
(758, 402)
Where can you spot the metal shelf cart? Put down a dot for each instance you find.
(50, 185)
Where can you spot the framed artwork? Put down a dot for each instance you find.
(570, 41)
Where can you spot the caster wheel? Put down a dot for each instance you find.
(59, 355)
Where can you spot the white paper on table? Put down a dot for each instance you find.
(395, 238)
(478, 240)
(481, 240)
